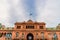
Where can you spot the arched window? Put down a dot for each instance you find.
(22, 35)
(8, 35)
(17, 34)
(42, 35)
(37, 35)
(55, 36)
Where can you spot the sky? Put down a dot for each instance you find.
(47, 11)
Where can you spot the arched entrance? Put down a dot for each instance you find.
(30, 36)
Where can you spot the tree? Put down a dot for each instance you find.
(0, 25)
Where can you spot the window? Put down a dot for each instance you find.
(55, 36)
(41, 27)
(18, 27)
(17, 34)
(8, 35)
(29, 27)
(42, 35)
(22, 35)
(37, 35)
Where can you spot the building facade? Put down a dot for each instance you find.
(30, 30)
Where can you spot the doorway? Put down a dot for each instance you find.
(30, 36)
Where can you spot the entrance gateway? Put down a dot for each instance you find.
(30, 36)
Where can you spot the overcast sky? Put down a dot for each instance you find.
(47, 11)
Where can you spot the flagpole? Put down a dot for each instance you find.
(30, 15)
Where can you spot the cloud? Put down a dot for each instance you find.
(12, 11)
(3, 12)
(18, 10)
(15, 10)
(48, 11)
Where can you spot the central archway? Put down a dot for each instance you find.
(30, 36)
